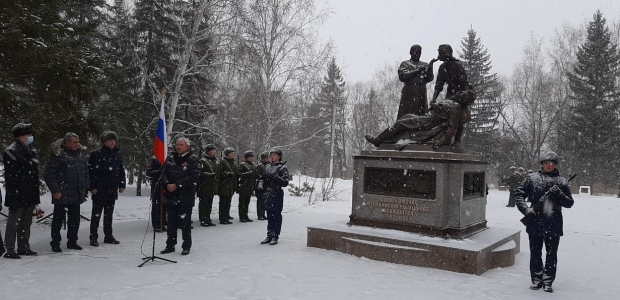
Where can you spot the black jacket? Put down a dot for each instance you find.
(107, 173)
(534, 187)
(183, 171)
(21, 175)
(67, 172)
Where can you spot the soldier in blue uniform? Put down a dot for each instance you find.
(545, 226)
(275, 177)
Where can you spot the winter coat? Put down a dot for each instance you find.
(21, 175)
(181, 170)
(107, 173)
(247, 178)
(227, 174)
(274, 179)
(208, 181)
(534, 187)
(67, 172)
(154, 173)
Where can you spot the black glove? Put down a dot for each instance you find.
(210, 175)
(279, 180)
(229, 174)
(555, 191)
(529, 212)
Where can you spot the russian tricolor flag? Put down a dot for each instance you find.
(160, 146)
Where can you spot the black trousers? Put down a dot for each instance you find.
(225, 202)
(179, 216)
(244, 206)
(275, 203)
(156, 210)
(545, 276)
(260, 204)
(205, 206)
(107, 207)
(72, 212)
(511, 198)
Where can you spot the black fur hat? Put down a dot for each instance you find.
(277, 151)
(264, 154)
(108, 135)
(549, 156)
(248, 153)
(22, 129)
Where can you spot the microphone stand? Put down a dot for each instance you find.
(153, 257)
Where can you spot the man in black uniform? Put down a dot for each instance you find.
(415, 74)
(276, 177)
(545, 226)
(260, 195)
(247, 184)
(107, 179)
(180, 178)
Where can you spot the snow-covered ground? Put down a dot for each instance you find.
(228, 262)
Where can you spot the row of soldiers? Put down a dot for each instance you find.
(185, 176)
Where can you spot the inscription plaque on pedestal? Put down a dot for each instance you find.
(400, 183)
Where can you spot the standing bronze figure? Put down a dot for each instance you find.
(415, 74)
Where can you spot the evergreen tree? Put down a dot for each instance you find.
(48, 67)
(589, 134)
(481, 130)
(328, 112)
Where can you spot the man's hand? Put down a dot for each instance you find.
(171, 187)
(93, 192)
(121, 190)
(555, 191)
(530, 212)
(433, 61)
(57, 195)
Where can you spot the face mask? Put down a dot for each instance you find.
(30, 140)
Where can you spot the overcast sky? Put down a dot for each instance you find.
(369, 33)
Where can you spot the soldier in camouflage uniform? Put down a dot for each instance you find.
(260, 195)
(227, 175)
(514, 181)
(247, 184)
(207, 185)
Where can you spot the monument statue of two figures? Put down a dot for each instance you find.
(446, 118)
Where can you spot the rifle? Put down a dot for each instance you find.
(540, 206)
(271, 175)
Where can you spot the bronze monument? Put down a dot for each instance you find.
(415, 74)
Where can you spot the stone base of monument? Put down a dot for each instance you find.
(420, 207)
(491, 248)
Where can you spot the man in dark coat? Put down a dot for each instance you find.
(180, 178)
(247, 184)
(21, 174)
(415, 74)
(158, 208)
(260, 194)
(227, 185)
(66, 175)
(107, 179)
(207, 187)
(276, 177)
(514, 182)
(546, 225)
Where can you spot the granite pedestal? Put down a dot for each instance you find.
(421, 208)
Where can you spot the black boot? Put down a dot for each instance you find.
(385, 135)
(210, 223)
(204, 224)
(548, 289)
(110, 240)
(248, 220)
(185, 252)
(2, 249)
(27, 252)
(56, 248)
(93, 242)
(12, 254)
(73, 246)
(536, 286)
(267, 240)
(274, 241)
(168, 249)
